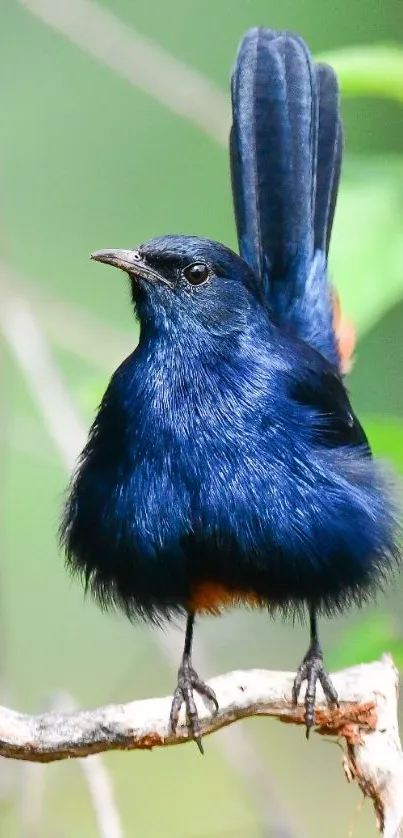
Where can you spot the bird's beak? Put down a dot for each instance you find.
(129, 261)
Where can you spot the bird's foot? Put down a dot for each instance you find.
(312, 670)
(188, 681)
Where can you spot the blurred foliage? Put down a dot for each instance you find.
(367, 640)
(385, 435)
(87, 161)
(367, 248)
(368, 71)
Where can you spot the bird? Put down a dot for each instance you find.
(225, 465)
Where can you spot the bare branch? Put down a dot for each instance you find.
(31, 800)
(97, 779)
(102, 797)
(30, 348)
(366, 718)
(67, 325)
(142, 62)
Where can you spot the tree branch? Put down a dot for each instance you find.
(366, 718)
(97, 779)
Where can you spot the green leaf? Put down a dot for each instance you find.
(367, 640)
(366, 261)
(385, 435)
(375, 70)
(367, 251)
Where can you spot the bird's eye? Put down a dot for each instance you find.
(197, 273)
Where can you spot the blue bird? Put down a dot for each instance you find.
(225, 464)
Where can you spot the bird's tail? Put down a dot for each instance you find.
(285, 152)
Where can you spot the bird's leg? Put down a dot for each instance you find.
(188, 680)
(311, 670)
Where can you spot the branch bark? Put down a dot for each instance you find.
(366, 719)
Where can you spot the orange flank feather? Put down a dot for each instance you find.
(345, 334)
(211, 598)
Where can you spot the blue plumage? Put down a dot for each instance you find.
(285, 151)
(225, 452)
(329, 153)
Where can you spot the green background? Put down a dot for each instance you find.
(89, 161)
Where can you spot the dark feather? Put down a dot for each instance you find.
(330, 149)
(285, 153)
(274, 152)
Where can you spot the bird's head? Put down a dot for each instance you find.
(184, 281)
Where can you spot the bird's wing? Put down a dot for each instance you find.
(285, 153)
(319, 389)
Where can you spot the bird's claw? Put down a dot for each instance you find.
(312, 670)
(188, 681)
